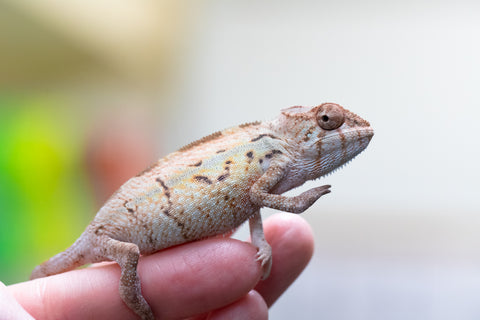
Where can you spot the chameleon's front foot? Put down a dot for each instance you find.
(307, 198)
(261, 196)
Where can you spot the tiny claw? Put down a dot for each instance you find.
(264, 255)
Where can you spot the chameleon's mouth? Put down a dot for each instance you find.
(342, 146)
(355, 133)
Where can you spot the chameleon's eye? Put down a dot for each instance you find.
(330, 116)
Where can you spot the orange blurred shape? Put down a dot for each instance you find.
(117, 150)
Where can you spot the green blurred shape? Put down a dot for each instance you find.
(44, 200)
(10, 200)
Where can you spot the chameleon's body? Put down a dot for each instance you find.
(212, 186)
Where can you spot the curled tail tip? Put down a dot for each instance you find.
(64, 261)
(38, 272)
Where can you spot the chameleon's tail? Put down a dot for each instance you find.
(67, 260)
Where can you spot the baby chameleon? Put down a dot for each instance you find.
(213, 185)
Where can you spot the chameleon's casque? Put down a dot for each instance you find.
(213, 185)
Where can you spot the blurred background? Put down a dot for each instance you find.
(92, 92)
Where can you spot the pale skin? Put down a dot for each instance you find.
(234, 292)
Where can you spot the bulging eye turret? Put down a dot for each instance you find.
(330, 116)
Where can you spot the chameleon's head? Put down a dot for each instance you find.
(322, 138)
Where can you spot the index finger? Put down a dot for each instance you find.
(177, 282)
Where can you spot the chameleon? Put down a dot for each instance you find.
(213, 185)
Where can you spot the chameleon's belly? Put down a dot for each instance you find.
(189, 213)
(205, 205)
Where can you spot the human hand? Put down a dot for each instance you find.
(210, 279)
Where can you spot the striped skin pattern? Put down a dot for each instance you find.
(213, 185)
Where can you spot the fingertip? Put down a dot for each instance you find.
(291, 228)
(292, 242)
